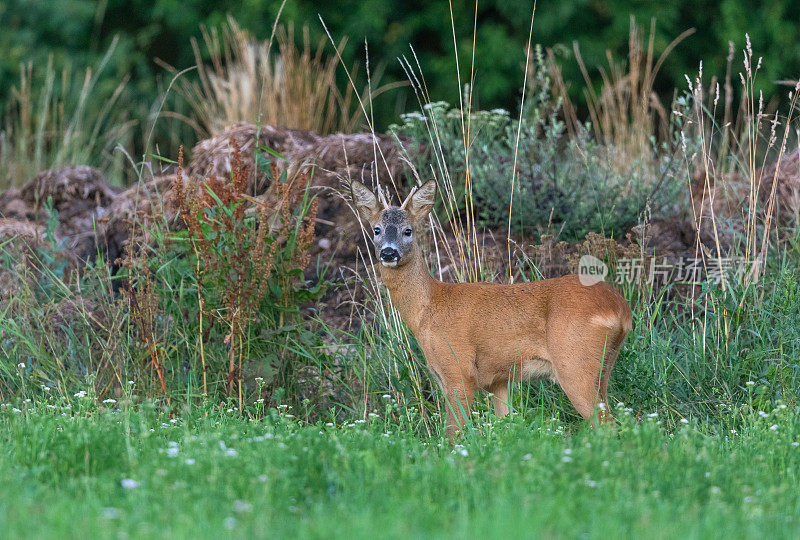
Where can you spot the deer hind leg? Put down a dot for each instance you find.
(583, 374)
(581, 389)
(609, 358)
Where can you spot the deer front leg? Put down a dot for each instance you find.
(453, 370)
(458, 400)
(500, 398)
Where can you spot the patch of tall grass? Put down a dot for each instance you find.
(271, 82)
(58, 122)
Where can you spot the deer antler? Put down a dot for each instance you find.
(405, 202)
(382, 197)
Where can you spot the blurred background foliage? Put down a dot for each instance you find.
(76, 33)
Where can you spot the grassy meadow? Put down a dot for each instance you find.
(207, 351)
(75, 469)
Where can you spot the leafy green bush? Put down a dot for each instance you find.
(568, 185)
(239, 276)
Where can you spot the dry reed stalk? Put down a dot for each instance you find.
(144, 305)
(627, 111)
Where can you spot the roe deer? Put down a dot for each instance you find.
(481, 335)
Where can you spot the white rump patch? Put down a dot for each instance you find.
(607, 320)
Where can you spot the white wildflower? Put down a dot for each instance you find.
(110, 512)
(240, 506)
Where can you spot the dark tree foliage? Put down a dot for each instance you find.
(78, 31)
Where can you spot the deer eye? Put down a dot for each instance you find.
(407, 232)
(377, 231)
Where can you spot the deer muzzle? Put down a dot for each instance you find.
(389, 256)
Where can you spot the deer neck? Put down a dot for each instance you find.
(409, 288)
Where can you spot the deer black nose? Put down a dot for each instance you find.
(389, 254)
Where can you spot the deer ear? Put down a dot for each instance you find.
(422, 200)
(365, 201)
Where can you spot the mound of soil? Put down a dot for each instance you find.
(784, 178)
(79, 194)
(132, 211)
(727, 199)
(212, 157)
(331, 162)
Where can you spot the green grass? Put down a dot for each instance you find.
(211, 473)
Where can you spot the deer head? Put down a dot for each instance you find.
(393, 227)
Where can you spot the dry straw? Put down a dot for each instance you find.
(244, 80)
